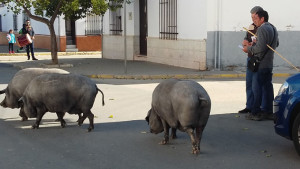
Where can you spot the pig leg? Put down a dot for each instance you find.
(195, 148)
(81, 119)
(173, 133)
(60, 116)
(199, 131)
(22, 114)
(58, 119)
(166, 133)
(39, 117)
(91, 119)
(79, 116)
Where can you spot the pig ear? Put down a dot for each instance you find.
(203, 100)
(21, 102)
(148, 115)
(2, 91)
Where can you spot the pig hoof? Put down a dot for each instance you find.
(164, 142)
(24, 119)
(35, 127)
(196, 150)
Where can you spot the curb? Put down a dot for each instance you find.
(178, 76)
(58, 53)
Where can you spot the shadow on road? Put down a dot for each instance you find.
(229, 141)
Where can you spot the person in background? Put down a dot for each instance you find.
(21, 33)
(11, 41)
(247, 40)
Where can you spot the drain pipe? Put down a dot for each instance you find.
(218, 38)
(219, 28)
(58, 25)
(102, 36)
(125, 40)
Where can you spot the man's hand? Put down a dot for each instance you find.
(245, 43)
(245, 49)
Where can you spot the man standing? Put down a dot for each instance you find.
(30, 31)
(248, 40)
(262, 79)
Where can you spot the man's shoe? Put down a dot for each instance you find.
(259, 117)
(268, 116)
(249, 116)
(244, 111)
(34, 59)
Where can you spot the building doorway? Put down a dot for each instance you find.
(143, 27)
(70, 32)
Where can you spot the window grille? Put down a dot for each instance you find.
(25, 17)
(168, 19)
(115, 20)
(93, 25)
(15, 22)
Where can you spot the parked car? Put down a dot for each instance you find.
(287, 110)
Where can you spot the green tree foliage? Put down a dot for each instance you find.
(46, 11)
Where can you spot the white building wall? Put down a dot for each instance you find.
(113, 45)
(80, 26)
(192, 19)
(225, 22)
(235, 14)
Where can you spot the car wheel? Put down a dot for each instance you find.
(296, 133)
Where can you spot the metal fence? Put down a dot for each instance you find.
(115, 20)
(168, 19)
(93, 25)
(15, 22)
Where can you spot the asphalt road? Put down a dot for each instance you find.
(121, 138)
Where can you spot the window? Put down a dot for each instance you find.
(25, 17)
(115, 22)
(93, 25)
(15, 22)
(168, 19)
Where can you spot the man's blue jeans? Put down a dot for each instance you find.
(263, 91)
(249, 91)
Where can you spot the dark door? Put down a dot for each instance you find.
(0, 23)
(70, 32)
(143, 27)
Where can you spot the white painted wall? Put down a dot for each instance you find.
(235, 14)
(191, 19)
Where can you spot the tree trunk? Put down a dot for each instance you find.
(53, 44)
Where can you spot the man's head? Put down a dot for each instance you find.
(262, 16)
(254, 10)
(27, 22)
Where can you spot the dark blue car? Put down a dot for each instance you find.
(287, 110)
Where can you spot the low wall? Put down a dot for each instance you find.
(84, 43)
(113, 47)
(181, 53)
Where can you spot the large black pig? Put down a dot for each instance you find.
(17, 85)
(179, 104)
(70, 93)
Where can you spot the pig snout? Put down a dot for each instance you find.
(3, 104)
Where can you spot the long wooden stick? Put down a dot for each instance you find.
(274, 51)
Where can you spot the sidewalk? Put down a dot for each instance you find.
(92, 65)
